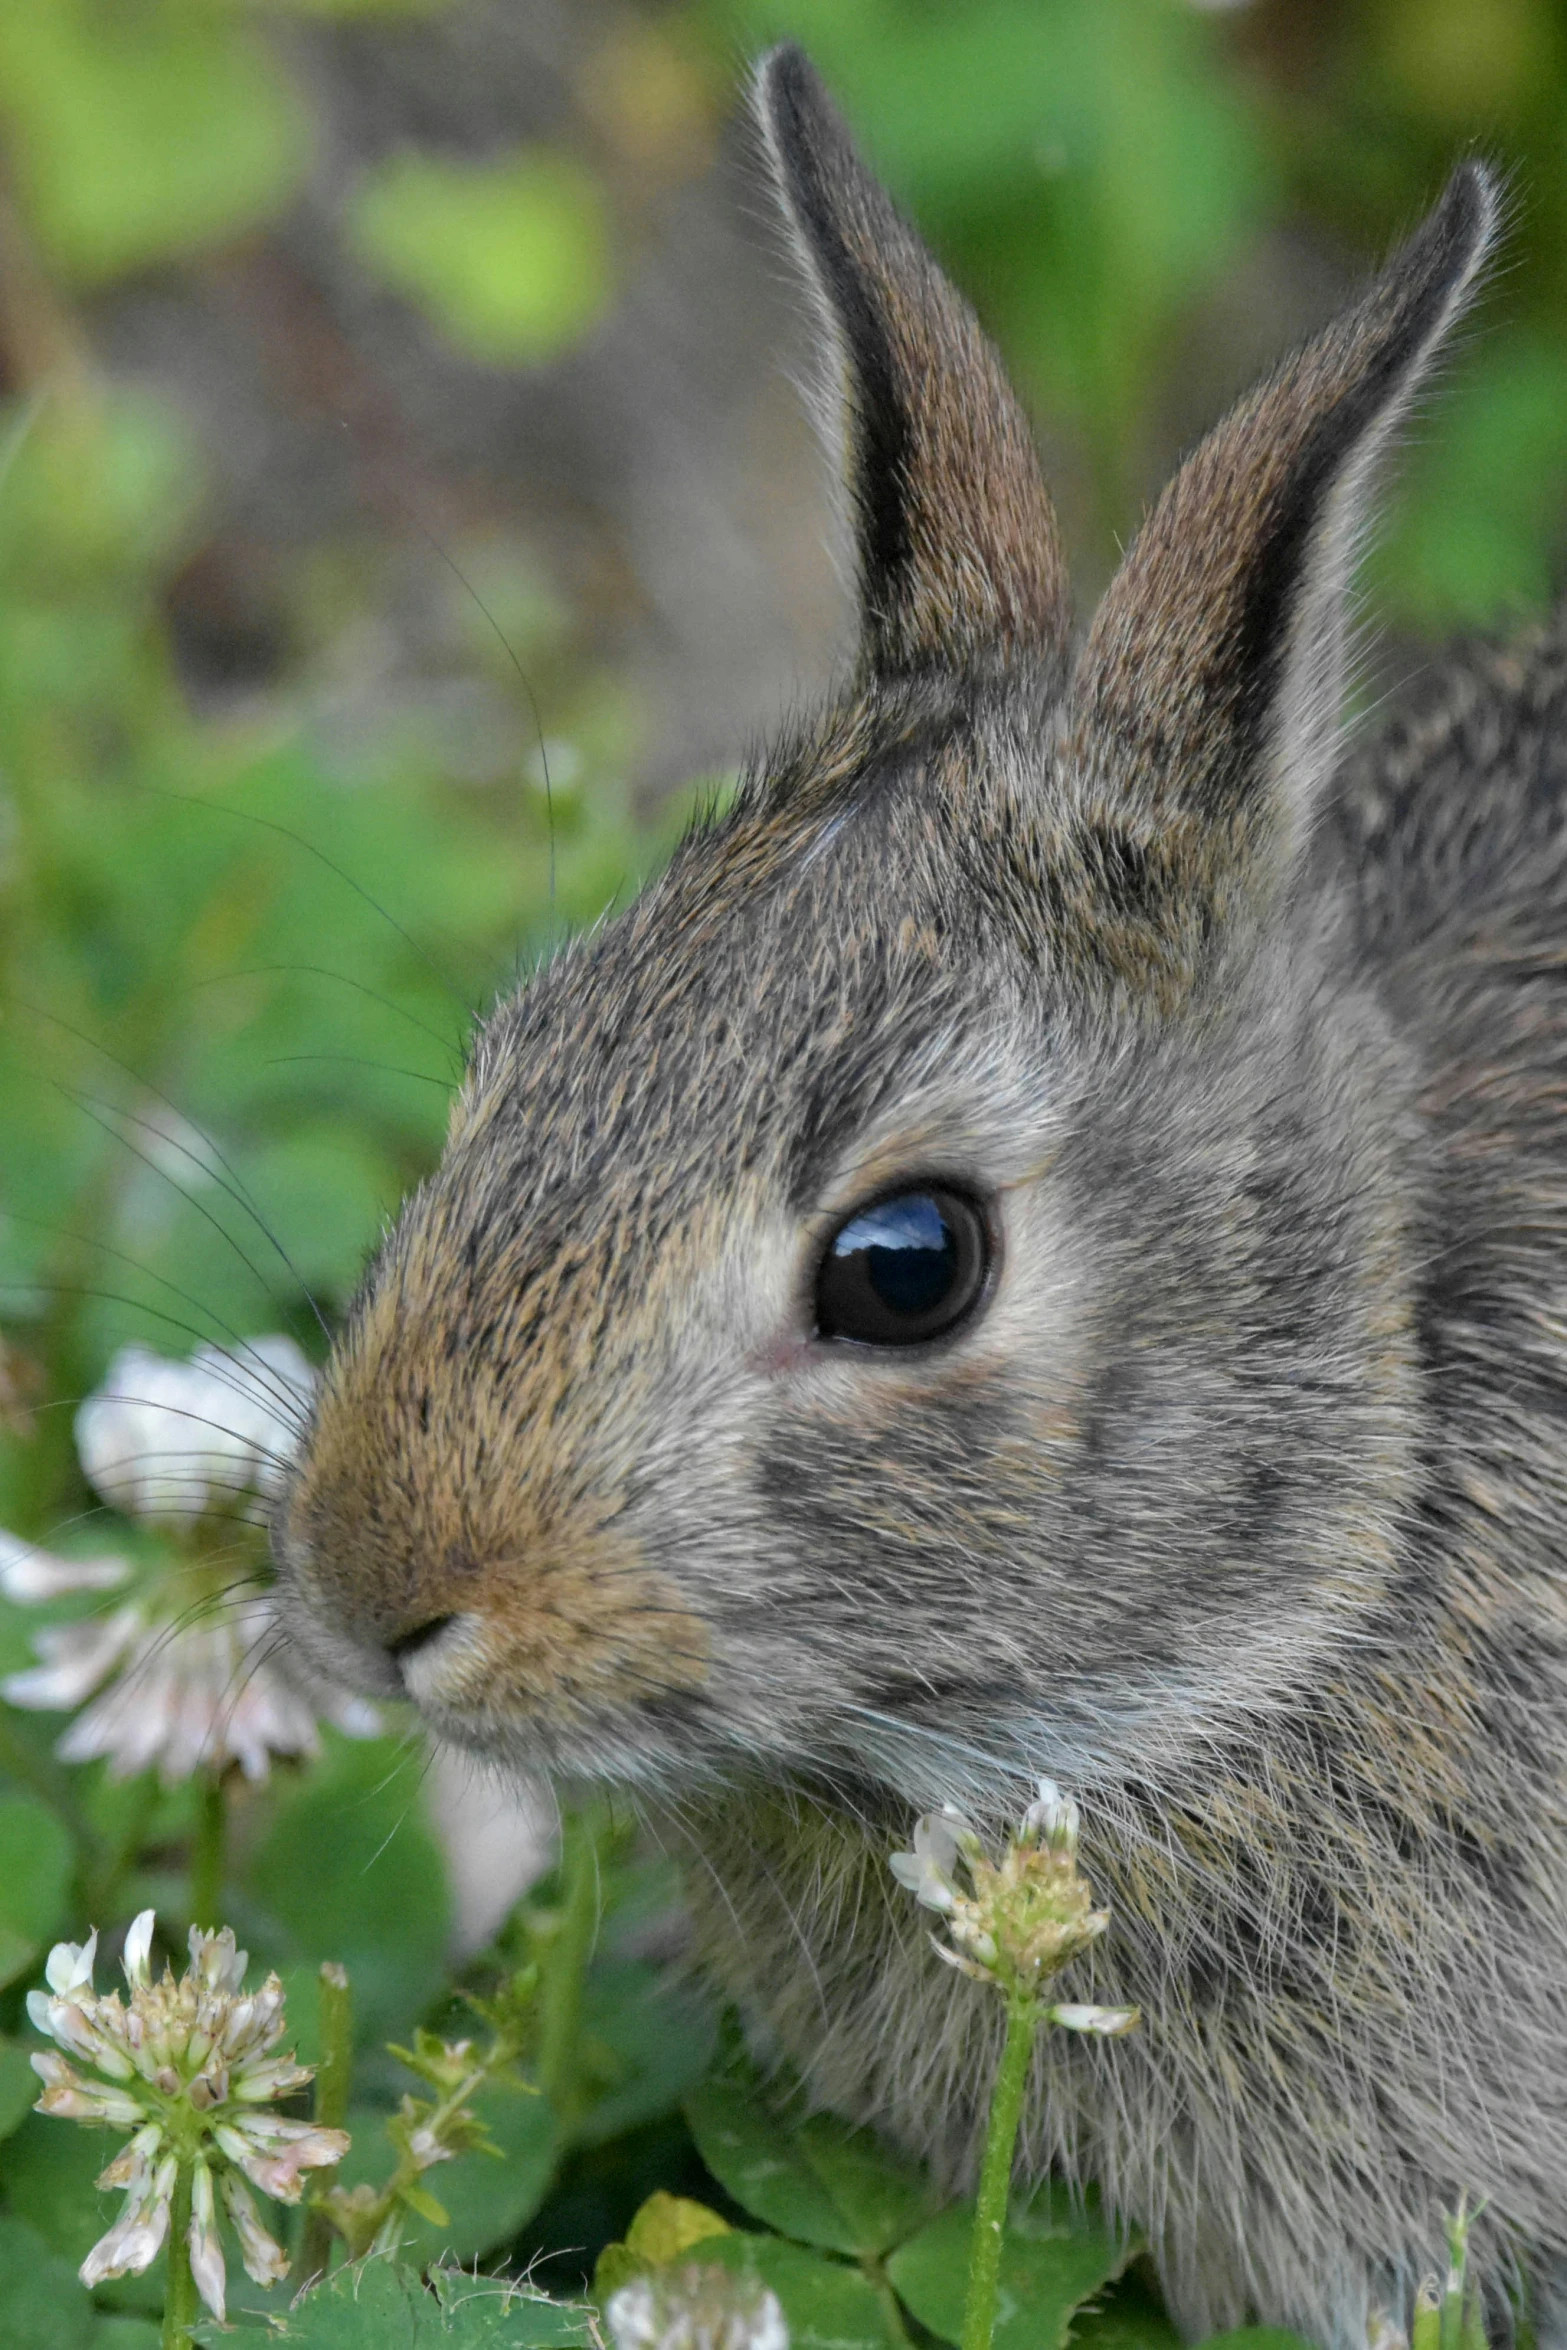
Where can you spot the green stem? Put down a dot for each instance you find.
(565, 1965)
(995, 2178)
(180, 2310)
(891, 2306)
(334, 2074)
(207, 1854)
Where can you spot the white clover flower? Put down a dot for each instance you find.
(193, 1671)
(187, 2066)
(180, 1696)
(700, 2306)
(168, 1441)
(1015, 1922)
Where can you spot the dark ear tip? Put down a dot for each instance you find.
(1470, 213)
(786, 82)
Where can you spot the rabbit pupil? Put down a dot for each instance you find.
(907, 1268)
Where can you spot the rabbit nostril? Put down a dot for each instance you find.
(408, 1644)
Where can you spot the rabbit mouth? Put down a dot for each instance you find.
(475, 1690)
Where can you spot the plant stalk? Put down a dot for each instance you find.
(180, 2309)
(334, 2075)
(995, 2178)
(207, 1855)
(565, 1965)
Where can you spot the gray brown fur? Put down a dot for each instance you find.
(1239, 1509)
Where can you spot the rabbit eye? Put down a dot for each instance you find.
(906, 1269)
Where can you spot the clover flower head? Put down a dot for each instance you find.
(699, 2306)
(1016, 1922)
(167, 1441)
(190, 1669)
(187, 2065)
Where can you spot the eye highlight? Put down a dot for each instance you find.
(908, 1268)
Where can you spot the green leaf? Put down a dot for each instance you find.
(663, 2229)
(815, 2179)
(125, 2333)
(1257, 2338)
(658, 2037)
(17, 1953)
(760, 2162)
(666, 2226)
(513, 2317)
(1129, 2317)
(828, 2307)
(376, 2305)
(882, 2197)
(510, 259)
(48, 2170)
(36, 1861)
(19, 2086)
(43, 2304)
(1052, 2258)
(381, 2305)
(141, 132)
(424, 2206)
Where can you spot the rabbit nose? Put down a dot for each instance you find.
(407, 1645)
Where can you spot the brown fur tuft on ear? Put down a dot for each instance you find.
(959, 559)
(1206, 705)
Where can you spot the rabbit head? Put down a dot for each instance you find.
(924, 1294)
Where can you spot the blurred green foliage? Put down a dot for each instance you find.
(511, 259)
(138, 132)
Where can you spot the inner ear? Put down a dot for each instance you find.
(958, 554)
(1205, 711)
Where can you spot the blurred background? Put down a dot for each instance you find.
(405, 504)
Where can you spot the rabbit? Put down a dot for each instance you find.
(1039, 1245)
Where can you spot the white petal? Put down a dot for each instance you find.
(1108, 2022)
(1052, 1818)
(942, 1837)
(216, 1960)
(69, 1965)
(265, 2259)
(28, 1574)
(138, 1944)
(207, 2264)
(77, 1658)
(136, 2238)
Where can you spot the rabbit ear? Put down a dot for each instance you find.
(959, 559)
(1205, 707)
